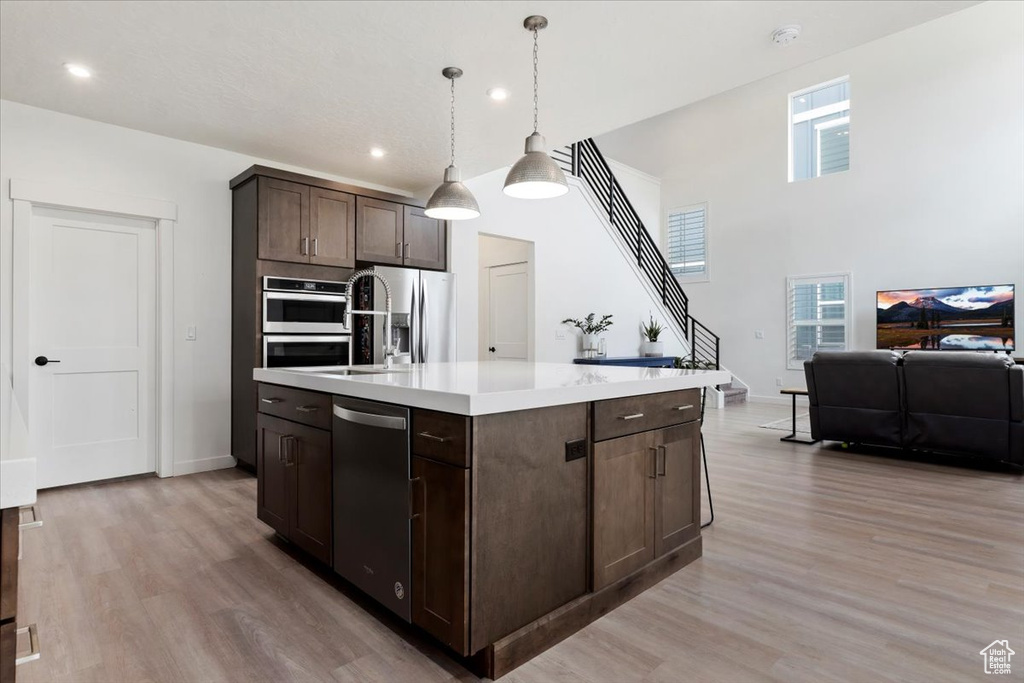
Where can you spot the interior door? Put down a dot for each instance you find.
(332, 228)
(508, 311)
(92, 332)
(676, 508)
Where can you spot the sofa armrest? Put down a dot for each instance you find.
(812, 390)
(1017, 393)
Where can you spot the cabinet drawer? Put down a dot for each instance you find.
(9, 541)
(632, 414)
(308, 407)
(441, 436)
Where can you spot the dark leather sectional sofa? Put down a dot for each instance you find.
(944, 401)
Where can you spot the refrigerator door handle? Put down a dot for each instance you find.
(414, 328)
(423, 321)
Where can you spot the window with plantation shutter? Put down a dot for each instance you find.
(686, 242)
(818, 315)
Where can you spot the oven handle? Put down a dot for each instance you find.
(302, 296)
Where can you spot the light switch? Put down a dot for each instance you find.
(758, 334)
(190, 333)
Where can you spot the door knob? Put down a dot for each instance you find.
(490, 348)
(43, 360)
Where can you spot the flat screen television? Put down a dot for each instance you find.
(947, 318)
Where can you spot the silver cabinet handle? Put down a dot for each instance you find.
(307, 409)
(405, 250)
(683, 407)
(37, 520)
(316, 248)
(660, 471)
(280, 449)
(398, 249)
(428, 435)
(634, 416)
(33, 640)
(271, 400)
(652, 470)
(305, 246)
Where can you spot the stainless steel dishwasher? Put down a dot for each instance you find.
(372, 528)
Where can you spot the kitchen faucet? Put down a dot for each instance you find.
(389, 349)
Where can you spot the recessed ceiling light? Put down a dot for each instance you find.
(498, 94)
(376, 152)
(77, 70)
(784, 35)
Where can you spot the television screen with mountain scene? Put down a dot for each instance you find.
(953, 318)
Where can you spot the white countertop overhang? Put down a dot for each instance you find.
(483, 388)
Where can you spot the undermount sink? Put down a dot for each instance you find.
(358, 371)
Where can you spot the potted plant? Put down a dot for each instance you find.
(651, 330)
(591, 329)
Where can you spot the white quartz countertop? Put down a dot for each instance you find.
(483, 388)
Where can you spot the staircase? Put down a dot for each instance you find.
(584, 160)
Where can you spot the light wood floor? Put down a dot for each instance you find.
(822, 565)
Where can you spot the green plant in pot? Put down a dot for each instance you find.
(591, 328)
(651, 331)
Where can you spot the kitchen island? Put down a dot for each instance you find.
(499, 506)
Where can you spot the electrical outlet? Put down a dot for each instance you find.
(559, 334)
(758, 334)
(574, 450)
(778, 381)
(190, 333)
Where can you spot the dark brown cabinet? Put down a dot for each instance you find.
(332, 228)
(644, 498)
(283, 221)
(395, 234)
(303, 224)
(677, 465)
(440, 551)
(294, 469)
(380, 231)
(425, 245)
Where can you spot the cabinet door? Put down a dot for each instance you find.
(332, 228)
(425, 244)
(310, 466)
(283, 221)
(379, 231)
(677, 488)
(623, 506)
(272, 481)
(440, 552)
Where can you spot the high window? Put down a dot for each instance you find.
(818, 315)
(819, 130)
(687, 242)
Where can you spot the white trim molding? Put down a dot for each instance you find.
(24, 195)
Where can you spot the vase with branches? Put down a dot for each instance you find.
(591, 328)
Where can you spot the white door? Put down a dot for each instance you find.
(92, 316)
(508, 311)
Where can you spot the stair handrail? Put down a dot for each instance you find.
(586, 162)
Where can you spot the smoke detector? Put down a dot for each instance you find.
(784, 35)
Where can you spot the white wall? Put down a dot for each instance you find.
(934, 196)
(41, 145)
(502, 251)
(644, 193)
(578, 269)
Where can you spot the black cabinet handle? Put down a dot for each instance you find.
(43, 360)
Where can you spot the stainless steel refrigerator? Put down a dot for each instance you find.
(423, 315)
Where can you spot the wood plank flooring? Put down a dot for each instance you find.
(822, 565)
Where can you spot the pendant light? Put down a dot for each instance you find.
(536, 175)
(452, 201)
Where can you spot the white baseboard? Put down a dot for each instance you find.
(218, 462)
(778, 400)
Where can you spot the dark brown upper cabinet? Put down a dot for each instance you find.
(303, 224)
(380, 230)
(399, 235)
(332, 228)
(283, 221)
(424, 244)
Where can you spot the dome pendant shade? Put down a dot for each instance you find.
(452, 201)
(535, 175)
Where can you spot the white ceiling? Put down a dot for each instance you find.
(316, 84)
